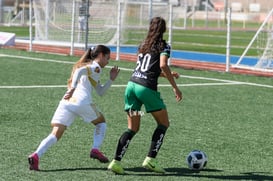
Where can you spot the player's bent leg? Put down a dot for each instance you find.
(51, 139)
(133, 119)
(150, 162)
(99, 134)
(99, 119)
(161, 117)
(58, 130)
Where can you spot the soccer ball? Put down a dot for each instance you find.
(197, 160)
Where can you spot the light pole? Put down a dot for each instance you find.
(1, 12)
(150, 9)
(226, 8)
(87, 26)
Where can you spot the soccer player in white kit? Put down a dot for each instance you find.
(77, 101)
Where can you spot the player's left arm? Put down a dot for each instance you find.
(174, 74)
(164, 56)
(168, 74)
(101, 89)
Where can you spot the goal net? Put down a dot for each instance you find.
(108, 22)
(262, 43)
(62, 20)
(135, 18)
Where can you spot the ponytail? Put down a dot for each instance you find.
(89, 55)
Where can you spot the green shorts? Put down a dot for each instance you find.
(136, 95)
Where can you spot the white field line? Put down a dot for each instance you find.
(37, 59)
(230, 81)
(225, 82)
(32, 86)
(115, 85)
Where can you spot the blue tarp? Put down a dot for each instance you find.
(196, 56)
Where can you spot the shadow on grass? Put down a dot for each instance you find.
(256, 176)
(72, 169)
(183, 172)
(205, 173)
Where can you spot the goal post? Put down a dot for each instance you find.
(262, 42)
(114, 23)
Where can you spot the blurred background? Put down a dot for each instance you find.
(194, 25)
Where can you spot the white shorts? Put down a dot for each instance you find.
(66, 113)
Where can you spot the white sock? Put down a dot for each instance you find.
(99, 134)
(45, 144)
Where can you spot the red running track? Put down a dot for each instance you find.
(186, 64)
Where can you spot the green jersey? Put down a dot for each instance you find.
(148, 69)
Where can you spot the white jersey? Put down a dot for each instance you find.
(85, 79)
(83, 92)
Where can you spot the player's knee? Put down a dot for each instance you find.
(164, 123)
(58, 130)
(100, 119)
(167, 124)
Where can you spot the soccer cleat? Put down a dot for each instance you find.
(33, 161)
(115, 167)
(151, 164)
(96, 154)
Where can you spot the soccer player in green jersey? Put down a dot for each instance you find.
(141, 89)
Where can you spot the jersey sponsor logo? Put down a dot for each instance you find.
(139, 75)
(73, 100)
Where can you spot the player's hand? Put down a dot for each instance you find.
(114, 73)
(175, 74)
(69, 93)
(178, 94)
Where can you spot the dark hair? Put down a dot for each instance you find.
(93, 52)
(89, 55)
(154, 42)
